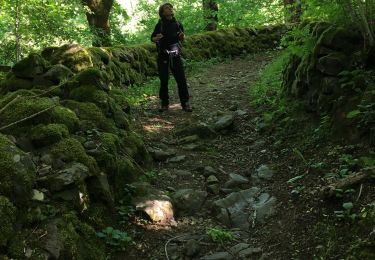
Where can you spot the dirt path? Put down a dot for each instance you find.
(208, 166)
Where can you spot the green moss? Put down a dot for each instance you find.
(100, 56)
(108, 151)
(72, 56)
(13, 83)
(91, 116)
(25, 107)
(65, 116)
(120, 98)
(7, 219)
(90, 94)
(17, 175)
(93, 77)
(29, 67)
(72, 151)
(79, 239)
(135, 147)
(42, 135)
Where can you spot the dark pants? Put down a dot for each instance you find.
(176, 66)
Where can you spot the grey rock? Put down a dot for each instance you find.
(188, 201)
(212, 179)
(201, 129)
(234, 250)
(189, 139)
(160, 155)
(176, 159)
(44, 170)
(46, 159)
(240, 113)
(247, 253)
(99, 189)
(73, 174)
(263, 173)
(218, 256)
(38, 195)
(235, 180)
(58, 73)
(192, 248)
(243, 209)
(208, 170)
(224, 122)
(213, 188)
(183, 173)
(53, 244)
(193, 147)
(157, 205)
(90, 145)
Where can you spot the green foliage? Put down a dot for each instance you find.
(268, 88)
(115, 238)
(220, 235)
(346, 212)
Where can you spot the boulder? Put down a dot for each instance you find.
(73, 174)
(30, 67)
(333, 63)
(243, 209)
(188, 201)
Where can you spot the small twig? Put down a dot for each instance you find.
(360, 193)
(11, 102)
(26, 118)
(166, 244)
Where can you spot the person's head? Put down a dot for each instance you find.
(166, 11)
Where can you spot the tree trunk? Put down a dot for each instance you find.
(17, 30)
(210, 9)
(97, 14)
(293, 11)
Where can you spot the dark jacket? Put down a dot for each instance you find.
(170, 30)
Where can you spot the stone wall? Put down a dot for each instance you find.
(333, 79)
(67, 148)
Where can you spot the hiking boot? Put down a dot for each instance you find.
(163, 108)
(186, 107)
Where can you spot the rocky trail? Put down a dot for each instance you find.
(219, 173)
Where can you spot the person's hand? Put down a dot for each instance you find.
(181, 36)
(158, 37)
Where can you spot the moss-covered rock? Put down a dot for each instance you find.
(70, 150)
(120, 98)
(58, 73)
(94, 77)
(91, 117)
(42, 135)
(135, 147)
(14, 83)
(73, 56)
(30, 67)
(7, 219)
(17, 175)
(65, 116)
(90, 93)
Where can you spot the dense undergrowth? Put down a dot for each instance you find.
(315, 141)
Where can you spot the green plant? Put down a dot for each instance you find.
(346, 212)
(148, 176)
(115, 238)
(220, 235)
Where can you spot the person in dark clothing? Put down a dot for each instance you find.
(167, 35)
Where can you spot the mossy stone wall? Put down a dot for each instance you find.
(81, 148)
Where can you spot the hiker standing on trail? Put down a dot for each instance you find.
(167, 35)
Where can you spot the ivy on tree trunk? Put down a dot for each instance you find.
(97, 13)
(210, 10)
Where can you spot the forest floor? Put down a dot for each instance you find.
(283, 219)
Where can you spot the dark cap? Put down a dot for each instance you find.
(161, 8)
